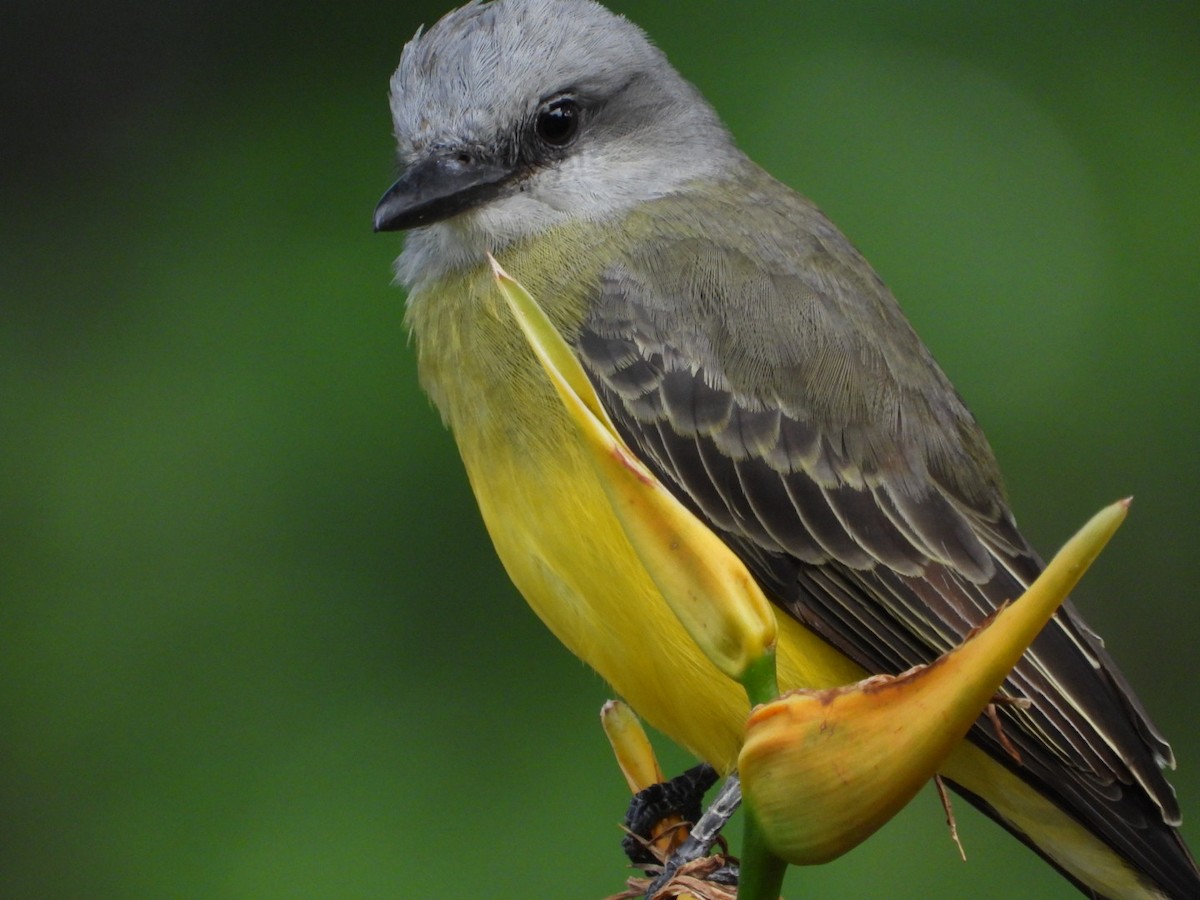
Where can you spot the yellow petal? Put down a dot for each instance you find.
(639, 765)
(707, 587)
(822, 770)
(630, 745)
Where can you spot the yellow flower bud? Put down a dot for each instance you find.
(705, 584)
(635, 755)
(822, 770)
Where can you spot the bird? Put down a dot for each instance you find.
(757, 365)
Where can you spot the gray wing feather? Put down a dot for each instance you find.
(775, 387)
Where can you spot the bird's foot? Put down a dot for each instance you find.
(692, 864)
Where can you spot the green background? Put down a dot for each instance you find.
(253, 640)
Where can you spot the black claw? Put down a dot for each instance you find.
(726, 875)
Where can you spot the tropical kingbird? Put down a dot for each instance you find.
(760, 368)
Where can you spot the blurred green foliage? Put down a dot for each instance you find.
(253, 639)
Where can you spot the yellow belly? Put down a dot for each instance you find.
(565, 551)
(554, 530)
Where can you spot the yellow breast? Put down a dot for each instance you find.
(552, 525)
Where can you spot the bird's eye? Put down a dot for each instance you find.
(558, 122)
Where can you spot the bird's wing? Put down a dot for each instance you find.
(773, 384)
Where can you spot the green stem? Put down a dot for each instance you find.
(759, 679)
(761, 871)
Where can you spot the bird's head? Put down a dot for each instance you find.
(515, 116)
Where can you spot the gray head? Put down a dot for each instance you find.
(517, 115)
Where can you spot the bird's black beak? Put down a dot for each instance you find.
(437, 188)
